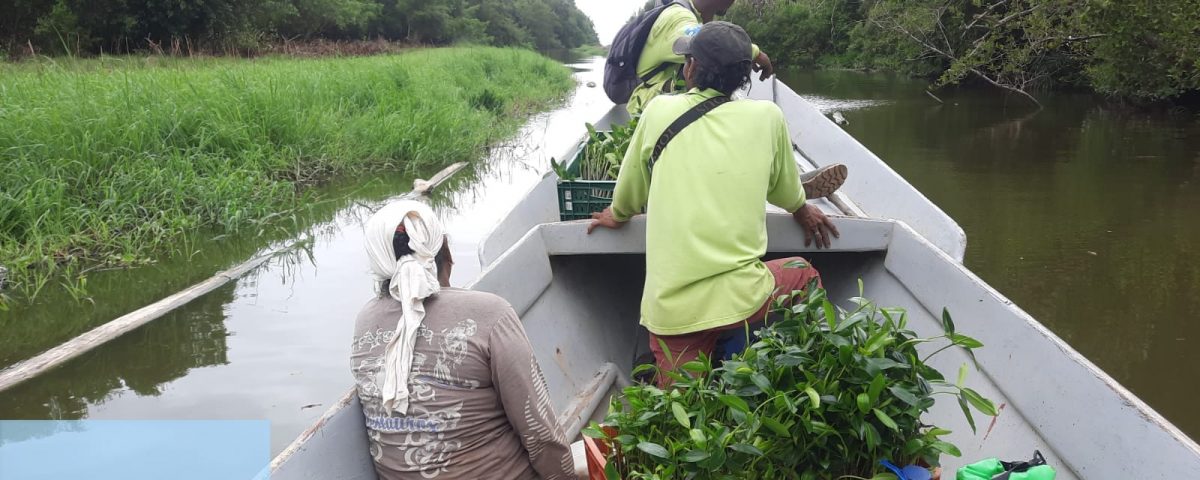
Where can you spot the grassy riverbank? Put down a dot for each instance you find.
(590, 51)
(107, 162)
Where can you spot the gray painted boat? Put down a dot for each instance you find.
(578, 296)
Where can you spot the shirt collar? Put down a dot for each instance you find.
(705, 94)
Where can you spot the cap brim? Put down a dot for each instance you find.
(683, 45)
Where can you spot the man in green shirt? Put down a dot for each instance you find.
(658, 57)
(705, 214)
(675, 22)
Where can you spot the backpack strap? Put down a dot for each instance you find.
(662, 67)
(682, 122)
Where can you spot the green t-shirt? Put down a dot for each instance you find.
(706, 215)
(672, 23)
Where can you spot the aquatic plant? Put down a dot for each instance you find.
(110, 162)
(602, 155)
(824, 393)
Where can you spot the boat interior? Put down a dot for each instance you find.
(579, 299)
(578, 296)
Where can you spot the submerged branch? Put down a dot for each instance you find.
(1005, 86)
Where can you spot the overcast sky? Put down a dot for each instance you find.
(608, 15)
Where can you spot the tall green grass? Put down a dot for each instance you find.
(108, 162)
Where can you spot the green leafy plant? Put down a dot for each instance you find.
(602, 154)
(563, 171)
(824, 393)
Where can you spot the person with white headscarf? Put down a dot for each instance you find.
(446, 377)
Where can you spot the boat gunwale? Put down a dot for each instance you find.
(1146, 414)
(301, 440)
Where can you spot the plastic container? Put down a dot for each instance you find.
(579, 199)
(597, 452)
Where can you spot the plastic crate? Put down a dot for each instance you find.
(579, 199)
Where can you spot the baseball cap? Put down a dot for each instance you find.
(717, 43)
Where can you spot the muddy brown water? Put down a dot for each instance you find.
(1084, 217)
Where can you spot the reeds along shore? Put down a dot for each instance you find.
(106, 161)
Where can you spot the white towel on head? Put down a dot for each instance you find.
(413, 279)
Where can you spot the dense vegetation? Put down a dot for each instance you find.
(107, 162)
(823, 393)
(95, 26)
(1139, 49)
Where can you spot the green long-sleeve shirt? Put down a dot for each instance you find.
(705, 208)
(674, 22)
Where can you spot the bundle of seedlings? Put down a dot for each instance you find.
(823, 393)
(600, 158)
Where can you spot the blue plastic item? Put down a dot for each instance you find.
(911, 472)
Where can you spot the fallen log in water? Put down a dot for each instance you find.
(27, 369)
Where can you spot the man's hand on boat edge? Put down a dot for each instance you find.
(816, 226)
(604, 218)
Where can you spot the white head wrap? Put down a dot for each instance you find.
(413, 279)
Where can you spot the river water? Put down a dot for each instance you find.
(1085, 217)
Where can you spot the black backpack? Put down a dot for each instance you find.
(620, 70)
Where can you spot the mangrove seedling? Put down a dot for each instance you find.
(602, 154)
(823, 393)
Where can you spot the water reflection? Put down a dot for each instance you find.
(54, 317)
(139, 363)
(1083, 215)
